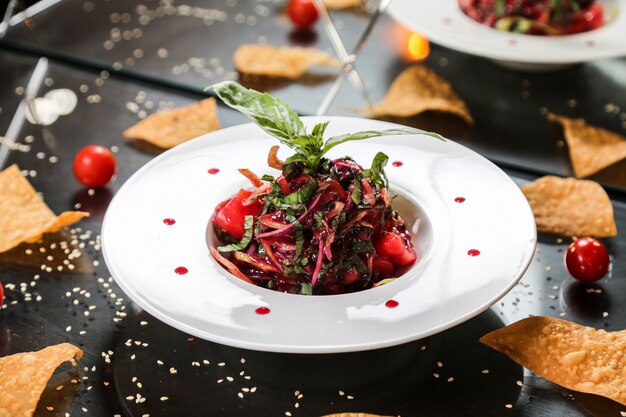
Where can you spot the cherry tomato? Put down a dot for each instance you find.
(1, 294)
(230, 215)
(94, 166)
(302, 12)
(587, 259)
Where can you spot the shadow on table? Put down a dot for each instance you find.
(263, 83)
(450, 373)
(447, 125)
(54, 251)
(60, 400)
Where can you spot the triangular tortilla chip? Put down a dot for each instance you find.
(571, 207)
(416, 90)
(591, 149)
(577, 357)
(24, 217)
(287, 62)
(24, 376)
(168, 128)
(341, 4)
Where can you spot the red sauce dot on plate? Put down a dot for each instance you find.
(181, 270)
(392, 304)
(169, 221)
(459, 199)
(262, 311)
(397, 163)
(473, 252)
(213, 171)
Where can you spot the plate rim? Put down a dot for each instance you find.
(299, 349)
(575, 57)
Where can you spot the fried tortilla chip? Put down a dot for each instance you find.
(591, 149)
(169, 128)
(24, 376)
(416, 90)
(577, 357)
(286, 62)
(341, 4)
(24, 217)
(571, 207)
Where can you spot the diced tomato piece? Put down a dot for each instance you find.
(351, 276)
(390, 245)
(284, 185)
(407, 258)
(394, 247)
(589, 19)
(594, 16)
(230, 214)
(383, 267)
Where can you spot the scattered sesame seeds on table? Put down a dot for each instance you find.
(127, 61)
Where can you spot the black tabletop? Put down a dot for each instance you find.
(447, 374)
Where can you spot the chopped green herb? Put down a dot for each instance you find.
(245, 240)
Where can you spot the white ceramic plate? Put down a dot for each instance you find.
(446, 287)
(443, 22)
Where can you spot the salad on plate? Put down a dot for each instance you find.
(322, 226)
(537, 17)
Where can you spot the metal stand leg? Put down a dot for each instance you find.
(349, 60)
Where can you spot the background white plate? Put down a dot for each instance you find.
(446, 287)
(443, 22)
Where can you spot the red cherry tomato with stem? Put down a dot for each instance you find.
(302, 13)
(94, 166)
(587, 259)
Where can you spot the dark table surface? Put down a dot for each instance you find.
(45, 305)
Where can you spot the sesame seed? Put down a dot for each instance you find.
(164, 398)
(451, 379)
(240, 395)
(485, 371)
(440, 365)
(350, 397)
(341, 393)
(509, 405)
(173, 370)
(605, 314)
(436, 375)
